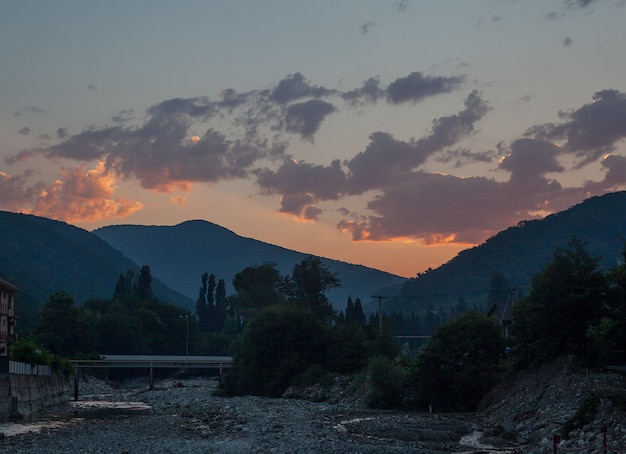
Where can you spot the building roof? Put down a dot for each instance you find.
(502, 311)
(6, 285)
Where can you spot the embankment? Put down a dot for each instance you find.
(23, 395)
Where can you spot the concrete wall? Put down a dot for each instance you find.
(26, 394)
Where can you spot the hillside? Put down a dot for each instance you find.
(518, 253)
(180, 254)
(41, 256)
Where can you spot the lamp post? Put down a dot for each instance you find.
(437, 314)
(187, 339)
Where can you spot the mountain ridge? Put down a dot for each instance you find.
(518, 253)
(182, 252)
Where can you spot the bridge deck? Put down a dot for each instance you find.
(151, 362)
(156, 361)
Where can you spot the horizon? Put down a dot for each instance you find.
(387, 134)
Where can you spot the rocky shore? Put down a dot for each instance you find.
(183, 416)
(186, 418)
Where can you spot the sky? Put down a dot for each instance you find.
(388, 133)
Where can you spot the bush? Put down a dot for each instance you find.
(27, 351)
(385, 384)
(276, 345)
(458, 365)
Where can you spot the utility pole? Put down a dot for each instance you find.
(380, 310)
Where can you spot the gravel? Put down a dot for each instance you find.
(183, 416)
(186, 418)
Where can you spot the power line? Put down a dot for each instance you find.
(380, 310)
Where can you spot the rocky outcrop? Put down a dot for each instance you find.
(563, 399)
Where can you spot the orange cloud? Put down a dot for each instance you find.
(81, 196)
(178, 200)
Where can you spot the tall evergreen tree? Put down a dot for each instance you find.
(202, 309)
(359, 315)
(144, 283)
(349, 312)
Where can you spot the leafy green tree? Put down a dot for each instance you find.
(564, 300)
(311, 280)
(458, 365)
(61, 328)
(385, 384)
(257, 287)
(280, 342)
(609, 335)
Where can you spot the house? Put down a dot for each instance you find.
(502, 313)
(7, 316)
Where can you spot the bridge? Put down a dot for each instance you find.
(151, 362)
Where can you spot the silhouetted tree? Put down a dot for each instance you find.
(311, 280)
(564, 300)
(144, 283)
(61, 328)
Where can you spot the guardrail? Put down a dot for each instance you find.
(151, 362)
(18, 368)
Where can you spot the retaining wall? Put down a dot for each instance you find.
(27, 394)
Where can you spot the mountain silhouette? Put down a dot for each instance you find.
(179, 255)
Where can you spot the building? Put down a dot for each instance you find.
(7, 316)
(502, 313)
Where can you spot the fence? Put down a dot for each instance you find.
(602, 445)
(17, 368)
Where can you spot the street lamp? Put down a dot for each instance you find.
(437, 314)
(187, 342)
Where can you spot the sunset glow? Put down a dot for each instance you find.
(394, 145)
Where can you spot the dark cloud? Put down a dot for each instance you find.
(574, 4)
(463, 156)
(305, 118)
(162, 152)
(615, 177)
(592, 130)
(29, 109)
(25, 131)
(231, 99)
(15, 191)
(91, 87)
(367, 27)
(123, 116)
(529, 160)
(301, 205)
(552, 16)
(62, 133)
(369, 92)
(325, 182)
(436, 208)
(385, 158)
(416, 87)
(295, 86)
(401, 5)
(200, 107)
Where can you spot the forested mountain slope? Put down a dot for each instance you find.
(41, 256)
(518, 253)
(180, 254)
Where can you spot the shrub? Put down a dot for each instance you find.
(385, 384)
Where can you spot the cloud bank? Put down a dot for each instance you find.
(180, 142)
